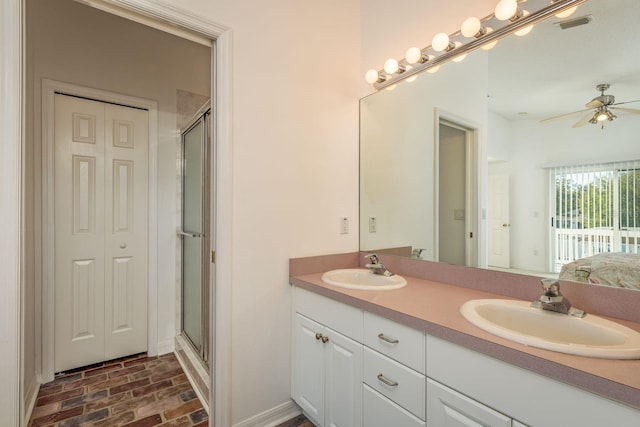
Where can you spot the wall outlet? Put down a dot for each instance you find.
(372, 224)
(344, 225)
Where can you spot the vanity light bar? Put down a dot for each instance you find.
(519, 21)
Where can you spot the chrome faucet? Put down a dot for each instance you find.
(553, 300)
(376, 266)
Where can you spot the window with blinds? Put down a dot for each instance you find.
(596, 209)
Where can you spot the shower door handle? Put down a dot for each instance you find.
(187, 234)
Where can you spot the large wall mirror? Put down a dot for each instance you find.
(461, 166)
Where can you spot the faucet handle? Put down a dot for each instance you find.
(373, 258)
(551, 288)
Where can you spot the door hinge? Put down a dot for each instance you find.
(213, 257)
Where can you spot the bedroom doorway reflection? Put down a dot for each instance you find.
(197, 241)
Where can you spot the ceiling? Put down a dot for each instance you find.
(552, 71)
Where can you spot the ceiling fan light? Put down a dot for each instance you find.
(602, 116)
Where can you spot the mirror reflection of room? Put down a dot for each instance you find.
(557, 184)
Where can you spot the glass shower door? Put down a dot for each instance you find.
(194, 242)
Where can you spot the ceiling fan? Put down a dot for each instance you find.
(598, 109)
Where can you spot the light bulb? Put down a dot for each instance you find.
(459, 58)
(566, 13)
(433, 70)
(602, 116)
(390, 66)
(371, 77)
(506, 9)
(490, 45)
(440, 42)
(526, 30)
(412, 78)
(470, 27)
(413, 55)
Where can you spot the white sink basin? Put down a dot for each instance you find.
(590, 336)
(361, 278)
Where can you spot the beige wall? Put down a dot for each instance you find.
(73, 43)
(295, 157)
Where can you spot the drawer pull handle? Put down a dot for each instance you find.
(383, 337)
(387, 381)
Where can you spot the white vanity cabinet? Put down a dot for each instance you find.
(505, 393)
(352, 369)
(327, 364)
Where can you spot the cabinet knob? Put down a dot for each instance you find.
(321, 337)
(383, 337)
(123, 245)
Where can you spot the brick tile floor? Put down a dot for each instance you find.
(134, 391)
(299, 421)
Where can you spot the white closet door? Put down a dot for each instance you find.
(100, 231)
(126, 213)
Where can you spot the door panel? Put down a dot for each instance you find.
(126, 235)
(192, 239)
(499, 222)
(101, 192)
(79, 236)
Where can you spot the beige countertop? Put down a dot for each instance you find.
(434, 307)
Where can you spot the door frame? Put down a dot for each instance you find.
(49, 90)
(12, 60)
(472, 183)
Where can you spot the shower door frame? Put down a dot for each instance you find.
(203, 116)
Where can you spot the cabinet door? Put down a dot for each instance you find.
(446, 407)
(343, 381)
(378, 411)
(308, 368)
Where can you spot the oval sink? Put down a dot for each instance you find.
(361, 278)
(590, 336)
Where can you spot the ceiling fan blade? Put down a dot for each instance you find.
(594, 103)
(583, 121)
(626, 102)
(563, 116)
(626, 110)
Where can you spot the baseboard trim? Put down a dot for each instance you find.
(273, 416)
(30, 398)
(165, 347)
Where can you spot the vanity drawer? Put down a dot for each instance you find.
(399, 342)
(404, 386)
(378, 411)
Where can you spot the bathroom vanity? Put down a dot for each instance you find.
(407, 357)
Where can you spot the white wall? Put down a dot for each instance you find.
(398, 128)
(106, 52)
(295, 156)
(535, 146)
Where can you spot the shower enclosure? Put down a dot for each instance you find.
(194, 233)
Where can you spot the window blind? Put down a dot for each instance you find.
(596, 208)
